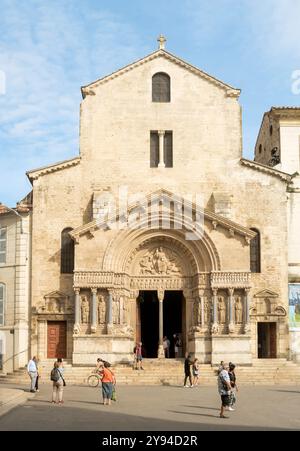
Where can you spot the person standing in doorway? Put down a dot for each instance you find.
(166, 346)
(32, 372)
(224, 388)
(187, 370)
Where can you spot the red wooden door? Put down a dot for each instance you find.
(57, 340)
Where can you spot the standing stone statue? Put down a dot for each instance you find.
(101, 310)
(85, 310)
(238, 311)
(221, 311)
(207, 312)
(116, 311)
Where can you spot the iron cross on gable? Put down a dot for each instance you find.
(162, 42)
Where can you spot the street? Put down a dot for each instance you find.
(157, 409)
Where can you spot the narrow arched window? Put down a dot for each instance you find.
(161, 87)
(67, 252)
(2, 303)
(255, 251)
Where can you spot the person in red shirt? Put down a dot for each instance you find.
(108, 381)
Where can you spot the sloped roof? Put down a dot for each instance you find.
(161, 53)
(267, 170)
(36, 173)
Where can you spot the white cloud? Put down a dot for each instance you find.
(47, 51)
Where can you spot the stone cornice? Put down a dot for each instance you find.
(214, 218)
(267, 170)
(229, 90)
(36, 173)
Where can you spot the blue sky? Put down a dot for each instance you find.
(49, 49)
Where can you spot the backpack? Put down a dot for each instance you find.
(55, 375)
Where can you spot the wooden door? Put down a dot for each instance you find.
(57, 340)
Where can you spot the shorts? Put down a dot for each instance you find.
(139, 358)
(226, 400)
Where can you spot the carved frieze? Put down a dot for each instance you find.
(161, 261)
(55, 303)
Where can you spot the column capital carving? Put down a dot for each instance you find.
(247, 291)
(161, 132)
(94, 290)
(231, 291)
(215, 291)
(77, 290)
(160, 295)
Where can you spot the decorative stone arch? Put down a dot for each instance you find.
(202, 253)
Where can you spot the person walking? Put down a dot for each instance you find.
(32, 372)
(187, 370)
(195, 372)
(58, 382)
(234, 387)
(108, 383)
(138, 353)
(224, 389)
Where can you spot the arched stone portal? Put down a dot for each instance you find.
(165, 264)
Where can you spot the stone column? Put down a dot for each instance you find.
(161, 295)
(109, 313)
(202, 306)
(77, 311)
(161, 135)
(94, 311)
(247, 310)
(231, 322)
(215, 326)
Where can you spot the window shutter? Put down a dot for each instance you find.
(168, 149)
(154, 149)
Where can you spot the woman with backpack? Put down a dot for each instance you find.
(108, 383)
(58, 382)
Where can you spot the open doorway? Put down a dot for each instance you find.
(174, 320)
(149, 322)
(266, 340)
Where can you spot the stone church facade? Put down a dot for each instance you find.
(199, 247)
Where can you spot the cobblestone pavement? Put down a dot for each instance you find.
(157, 409)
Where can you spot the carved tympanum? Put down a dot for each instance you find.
(159, 262)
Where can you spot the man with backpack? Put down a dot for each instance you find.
(224, 388)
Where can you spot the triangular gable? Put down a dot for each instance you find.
(230, 91)
(56, 294)
(266, 294)
(159, 196)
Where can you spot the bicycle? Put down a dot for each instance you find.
(94, 379)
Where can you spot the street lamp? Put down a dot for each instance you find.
(15, 212)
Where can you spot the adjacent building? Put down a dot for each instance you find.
(15, 258)
(278, 145)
